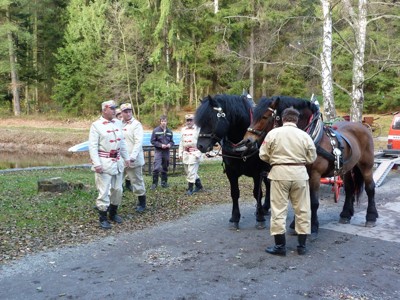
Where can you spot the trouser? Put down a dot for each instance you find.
(136, 177)
(109, 188)
(298, 192)
(161, 162)
(191, 172)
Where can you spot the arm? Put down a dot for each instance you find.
(94, 140)
(154, 141)
(137, 141)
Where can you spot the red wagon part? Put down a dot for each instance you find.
(336, 183)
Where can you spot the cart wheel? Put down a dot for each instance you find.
(336, 190)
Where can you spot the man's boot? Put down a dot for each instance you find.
(155, 182)
(199, 186)
(128, 185)
(164, 180)
(141, 206)
(112, 213)
(301, 248)
(280, 245)
(103, 220)
(189, 191)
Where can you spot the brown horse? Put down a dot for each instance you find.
(345, 149)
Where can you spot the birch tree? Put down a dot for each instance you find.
(326, 62)
(358, 23)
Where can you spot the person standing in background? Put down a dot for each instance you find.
(288, 150)
(190, 155)
(108, 152)
(133, 133)
(162, 140)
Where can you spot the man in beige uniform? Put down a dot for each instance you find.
(288, 150)
(108, 151)
(133, 133)
(190, 155)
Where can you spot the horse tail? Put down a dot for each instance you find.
(358, 180)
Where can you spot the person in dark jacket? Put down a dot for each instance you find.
(162, 140)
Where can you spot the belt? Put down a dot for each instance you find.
(111, 154)
(190, 149)
(289, 164)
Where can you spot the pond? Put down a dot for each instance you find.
(16, 160)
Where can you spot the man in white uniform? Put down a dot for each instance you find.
(109, 156)
(190, 155)
(133, 133)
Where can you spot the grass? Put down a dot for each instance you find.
(32, 221)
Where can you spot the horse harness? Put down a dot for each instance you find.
(225, 143)
(317, 130)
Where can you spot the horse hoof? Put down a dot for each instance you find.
(313, 236)
(266, 212)
(370, 224)
(261, 225)
(234, 226)
(344, 220)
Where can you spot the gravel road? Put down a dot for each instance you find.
(198, 257)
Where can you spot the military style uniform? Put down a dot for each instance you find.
(107, 148)
(133, 133)
(288, 150)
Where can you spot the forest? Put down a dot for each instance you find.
(163, 56)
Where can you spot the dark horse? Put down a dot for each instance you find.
(345, 149)
(224, 119)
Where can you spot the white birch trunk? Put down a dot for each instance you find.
(359, 24)
(326, 63)
(216, 6)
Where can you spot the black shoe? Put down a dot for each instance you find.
(164, 184)
(277, 250)
(140, 209)
(105, 224)
(116, 219)
(301, 250)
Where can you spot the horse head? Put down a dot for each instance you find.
(212, 120)
(264, 119)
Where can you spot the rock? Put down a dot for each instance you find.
(54, 185)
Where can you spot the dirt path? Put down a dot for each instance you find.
(197, 257)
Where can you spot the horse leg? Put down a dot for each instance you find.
(257, 193)
(348, 206)
(372, 213)
(314, 203)
(267, 201)
(235, 194)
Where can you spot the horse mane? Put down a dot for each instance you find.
(236, 108)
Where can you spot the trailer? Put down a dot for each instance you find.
(384, 161)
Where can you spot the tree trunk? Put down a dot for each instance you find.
(264, 81)
(216, 6)
(251, 69)
(14, 72)
(359, 24)
(326, 63)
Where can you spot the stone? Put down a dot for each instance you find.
(54, 185)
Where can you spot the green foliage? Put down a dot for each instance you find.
(73, 54)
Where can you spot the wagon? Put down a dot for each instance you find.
(337, 184)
